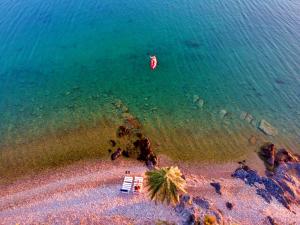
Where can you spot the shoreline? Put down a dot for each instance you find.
(89, 191)
(88, 143)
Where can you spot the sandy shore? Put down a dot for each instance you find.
(88, 193)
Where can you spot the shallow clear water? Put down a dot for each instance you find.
(63, 61)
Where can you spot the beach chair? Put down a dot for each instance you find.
(127, 184)
(138, 184)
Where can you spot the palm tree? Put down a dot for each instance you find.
(165, 184)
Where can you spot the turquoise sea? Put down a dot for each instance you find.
(63, 61)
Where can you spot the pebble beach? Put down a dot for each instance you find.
(89, 193)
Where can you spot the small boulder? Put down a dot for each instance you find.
(118, 103)
(247, 117)
(122, 131)
(267, 128)
(224, 114)
(196, 98)
(217, 187)
(284, 156)
(179, 207)
(144, 146)
(126, 153)
(188, 216)
(267, 152)
(252, 140)
(203, 203)
(116, 154)
(199, 102)
(112, 142)
(185, 198)
(271, 220)
(229, 205)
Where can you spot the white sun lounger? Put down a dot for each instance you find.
(138, 184)
(127, 184)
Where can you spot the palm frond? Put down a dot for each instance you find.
(165, 184)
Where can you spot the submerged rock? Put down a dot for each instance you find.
(247, 117)
(252, 140)
(267, 128)
(112, 142)
(198, 101)
(116, 154)
(122, 131)
(223, 113)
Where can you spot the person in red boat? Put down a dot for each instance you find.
(153, 62)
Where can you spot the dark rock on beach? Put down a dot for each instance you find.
(251, 177)
(203, 203)
(217, 187)
(274, 158)
(283, 183)
(267, 153)
(265, 194)
(248, 175)
(188, 216)
(185, 210)
(193, 210)
(284, 156)
(271, 220)
(229, 205)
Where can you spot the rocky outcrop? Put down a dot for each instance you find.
(284, 156)
(273, 157)
(195, 210)
(282, 183)
(271, 187)
(145, 152)
(130, 132)
(267, 153)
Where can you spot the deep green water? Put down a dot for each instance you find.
(61, 61)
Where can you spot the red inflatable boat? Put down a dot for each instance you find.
(153, 62)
